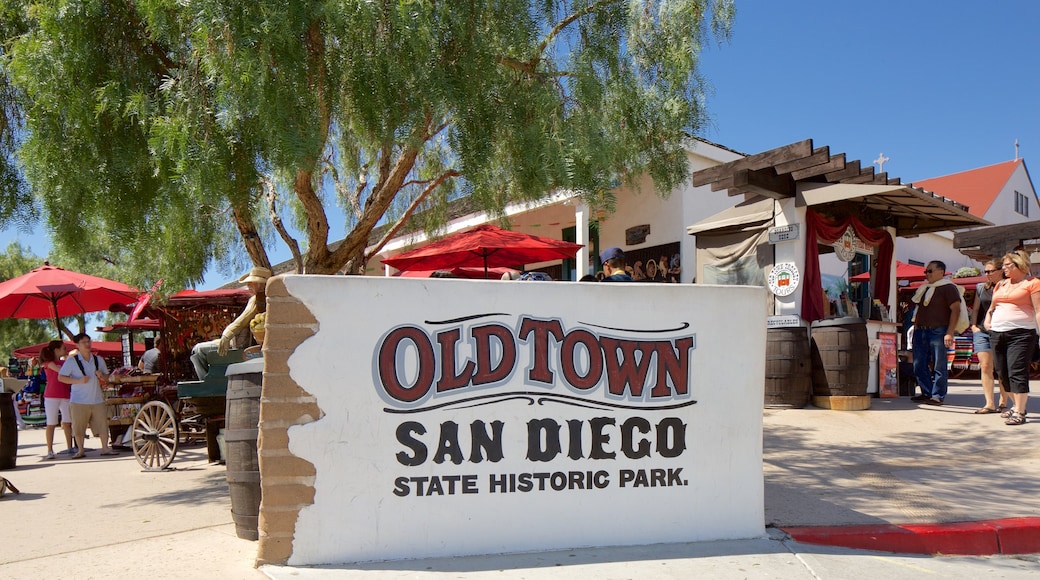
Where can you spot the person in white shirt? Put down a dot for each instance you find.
(85, 371)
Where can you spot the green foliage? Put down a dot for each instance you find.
(148, 120)
(16, 204)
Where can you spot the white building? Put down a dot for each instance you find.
(1002, 194)
(644, 224)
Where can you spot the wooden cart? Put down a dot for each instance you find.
(157, 426)
(154, 440)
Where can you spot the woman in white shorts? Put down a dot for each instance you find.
(56, 396)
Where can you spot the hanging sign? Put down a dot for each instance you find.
(783, 279)
(848, 245)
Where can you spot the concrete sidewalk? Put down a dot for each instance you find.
(897, 463)
(103, 517)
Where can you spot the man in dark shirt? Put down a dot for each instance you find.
(938, 311)
(613, 260)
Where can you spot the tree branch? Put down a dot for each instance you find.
(390, 182)
(276, 220)
(390, 233)
(303, 184)
(565, 22)
(250, 237)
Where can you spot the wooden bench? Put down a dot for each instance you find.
(214, 384)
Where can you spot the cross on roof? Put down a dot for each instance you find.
(880, 162)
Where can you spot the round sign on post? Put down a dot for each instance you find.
(783, 279)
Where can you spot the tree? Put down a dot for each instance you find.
(160, 131)
(16, 205)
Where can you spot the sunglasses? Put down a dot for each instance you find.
(928, 271)
(990, 271)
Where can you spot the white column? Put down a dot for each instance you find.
(788, 212)
(581, 236)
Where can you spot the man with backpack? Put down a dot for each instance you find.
(84, 372)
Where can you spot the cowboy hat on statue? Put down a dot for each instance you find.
(237, 334)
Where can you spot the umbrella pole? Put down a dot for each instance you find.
(485, 267)
(57, 322)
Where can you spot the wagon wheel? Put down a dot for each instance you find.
(188, 426)
(155, 436)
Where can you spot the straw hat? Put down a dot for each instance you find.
(257, 274)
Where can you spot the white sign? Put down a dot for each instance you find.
(783, 279)
(786, 233)
(848, 245)
(784, 321)
(479, 417)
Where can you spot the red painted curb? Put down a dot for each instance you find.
(1005, 536)
(1018, 535)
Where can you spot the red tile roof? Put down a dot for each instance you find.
(976, 188)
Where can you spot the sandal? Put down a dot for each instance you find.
(1007, 414)
(1015, 419)
(985, 411)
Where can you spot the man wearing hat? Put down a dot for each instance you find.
(237, 334)
(613, 260)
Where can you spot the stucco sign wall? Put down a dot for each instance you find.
(473, 417)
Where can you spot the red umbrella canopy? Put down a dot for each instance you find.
(51, 292)
(485, 247)
(102, 348)
(460, 272)
(904, 271)
(969, 282)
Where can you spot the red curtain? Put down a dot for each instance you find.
(821, 230)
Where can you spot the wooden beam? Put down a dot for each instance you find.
(820, 155)
(726, 183)
(836, 162)
(852, 169)
(895, 181)
(997, 240)
(764, 182)
(866, 175)
(761, 160)
(880, 178)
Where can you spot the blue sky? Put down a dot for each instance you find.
(937, 86)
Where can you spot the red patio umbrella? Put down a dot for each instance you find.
(51, 292)
(460, 272)
(904, 271)
(102, 348)
(484, 246)
(968, 282)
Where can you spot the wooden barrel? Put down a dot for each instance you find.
(788, 368)
(242, 419)
(8, 431)
(840, 357)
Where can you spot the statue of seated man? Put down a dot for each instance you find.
(237, 334)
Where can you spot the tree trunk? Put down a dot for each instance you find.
(250, 237)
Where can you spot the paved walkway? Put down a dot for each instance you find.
(895, 464)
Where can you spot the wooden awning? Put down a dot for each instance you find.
(838, 188)
(992, 243)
